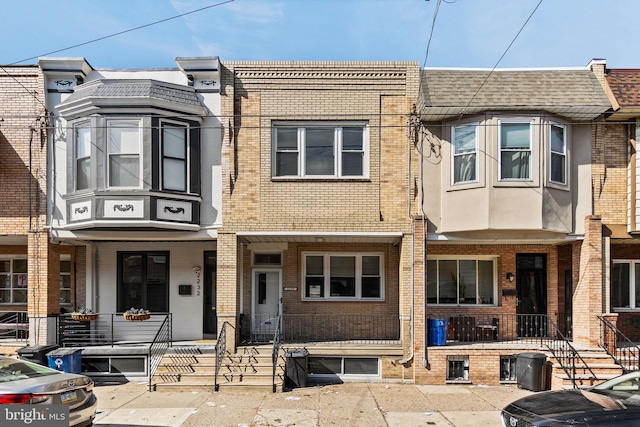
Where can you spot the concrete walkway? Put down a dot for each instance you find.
(349, 404)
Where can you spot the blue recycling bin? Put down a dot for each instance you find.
(67, 360)
(437, 331)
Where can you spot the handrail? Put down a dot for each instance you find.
(159, 345)
(275, 353)
(221, 349)
(627, 355)
(562, 351)
(14, 325)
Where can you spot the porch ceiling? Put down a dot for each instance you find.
(319, 236)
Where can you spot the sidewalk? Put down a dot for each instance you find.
(352, 404)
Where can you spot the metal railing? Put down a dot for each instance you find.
(624, 351)
(492, 327)
(275, 353)
(108, 329)
(301, 328)
(158, 348)
(566, 356)
(221, 351)
(14, 325)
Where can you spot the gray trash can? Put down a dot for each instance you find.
(296, 368)
(36, 353)
(530, 371)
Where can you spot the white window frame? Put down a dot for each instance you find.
(529, 123)
(562, 154)
(69, 274)
(12, 274)
(458, 359)
(77, 158)
(457, 259)
(632, 284)
(187, 161)
(454, 155)
(327, 276)
(338, 149)
(113, 124)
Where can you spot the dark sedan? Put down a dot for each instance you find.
(613, 403)
(27, 383)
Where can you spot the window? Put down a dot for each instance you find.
(356, 366)
(65, 279)
(143, 281)
(461, 281)
(557, 154)
(13, 281)
(343, 276)
(515, 151)
(83, 157)
(508, 368)
(124, 153)
(465, 149)
(263, 259)
(174, 157)
(625, 284)
(457, 368)
(320, 151)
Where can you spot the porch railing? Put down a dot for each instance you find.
(221, 351)
(624, 351)
(566, 356)
(492, 327)
(108, 329)
(161, 342)
(275, 353)
(14, 325)
(301, 328)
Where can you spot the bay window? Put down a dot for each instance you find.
(343, 276)
(515, 146)
(320, 150)
(461, 281)
(82, 136)
(465, 153)
(174, 157)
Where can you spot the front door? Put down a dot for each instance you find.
(531, 287)
(210, 320)
(265, 304)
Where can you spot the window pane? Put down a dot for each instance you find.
(467, 282)
(515, 165)
(83, 142)
(174, 142)
(343, 276)
(557, 168)
(83, 170)
(124, 171)
(314, 287)
(515, 136)
(315, 265)
(352, 164)
(287, 164)
(124, 138)
(557, 139)
(464, 139)
(448, 281)
(5, 266)
(432, 282)
(174, 174)
(371, 265)
(286, 139)
(360, 366)
(325, 365)
(319, 151)
(620, 285)
(464, 168)
(371, 287)
(485, 282)
(19, 265)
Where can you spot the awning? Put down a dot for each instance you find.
(392, 237)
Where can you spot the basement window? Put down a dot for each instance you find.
(344, 367)
(457, 368)
(507, 368)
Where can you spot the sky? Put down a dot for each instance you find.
(433, 33)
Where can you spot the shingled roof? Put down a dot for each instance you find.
(625, 86)
(572, 93)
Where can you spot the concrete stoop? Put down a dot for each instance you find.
(193, 369)
(595, 367)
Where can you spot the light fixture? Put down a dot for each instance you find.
(196, 268)
(510, 277)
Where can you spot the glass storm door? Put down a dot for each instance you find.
(265, 302)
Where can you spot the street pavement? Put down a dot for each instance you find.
(348, 404)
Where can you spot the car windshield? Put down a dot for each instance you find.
(625, 387)
(13, 370)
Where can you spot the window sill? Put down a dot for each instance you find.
(320, 179)
(336, 299)
(458, 382)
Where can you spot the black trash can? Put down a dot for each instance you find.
(296, 368)
(36, 353)
(67, 360)
(530, 371)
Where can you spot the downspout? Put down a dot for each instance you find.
(425, 359)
